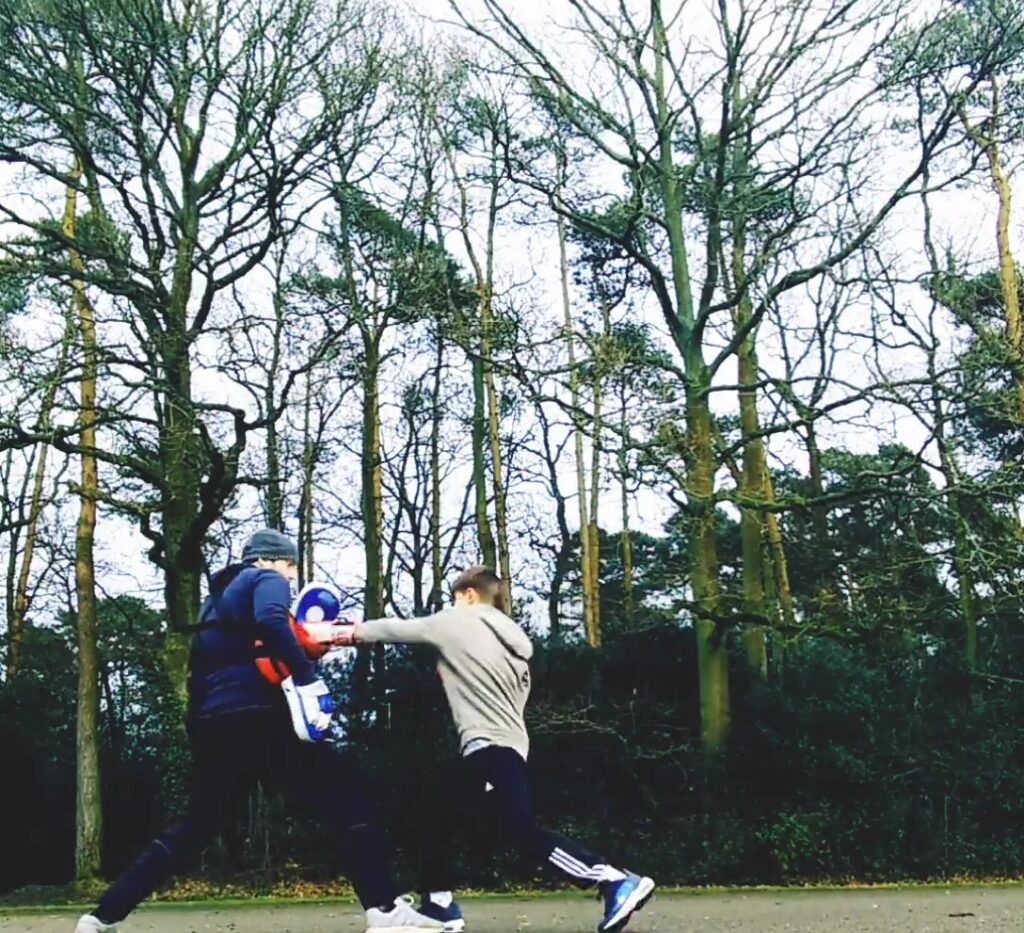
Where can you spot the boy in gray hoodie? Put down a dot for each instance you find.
(484, 668)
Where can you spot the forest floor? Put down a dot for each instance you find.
(911, 910)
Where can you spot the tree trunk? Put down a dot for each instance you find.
(406, 506)
(372, 480)
(782, 591)
(563, 561)
(10, 511)
(777, 588)
(497, 475)
(181, 591)
(593, 527)
(20, 602)
(564, 552)
(987, 140)
(19, 606)
(627, 534)
(368, 672)
(306, 499)
(486, 291)
(180, 511)
(712, 657)
(591, 623)
(274, 505)
(485, 538)
(88, 812)
(180, 456)
(436, 599)
(755, 470)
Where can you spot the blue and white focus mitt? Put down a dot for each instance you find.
(311, 708)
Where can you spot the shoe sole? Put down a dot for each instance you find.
(454, 926)
(403, 929)
(636, 902)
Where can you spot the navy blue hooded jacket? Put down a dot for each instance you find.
(246, 603)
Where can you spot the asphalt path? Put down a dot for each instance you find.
(915, 910)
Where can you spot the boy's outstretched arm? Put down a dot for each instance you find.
(422, 631)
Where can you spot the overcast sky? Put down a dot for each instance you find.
(965, 218)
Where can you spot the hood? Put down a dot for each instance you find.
(222, 578)
(507, 632)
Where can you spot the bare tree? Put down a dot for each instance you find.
(709, 146)
(198, 133)
(88, 809)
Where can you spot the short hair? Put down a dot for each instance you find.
(485, 581)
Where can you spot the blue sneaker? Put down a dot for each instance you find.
(622, 899)
(450, 916)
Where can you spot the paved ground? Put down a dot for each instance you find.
(959, 910)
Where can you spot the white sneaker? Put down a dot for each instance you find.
(402, 918)
(87, 923)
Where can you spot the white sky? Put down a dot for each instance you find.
(964, 218)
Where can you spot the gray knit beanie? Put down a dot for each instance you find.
(270, 544)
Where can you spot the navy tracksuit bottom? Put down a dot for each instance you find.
(230, 753)
(489, 791)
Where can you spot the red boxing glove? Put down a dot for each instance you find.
(313, 648)
(274, 671)
(330, 634)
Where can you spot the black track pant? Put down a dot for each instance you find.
(488, 792)
(230, 753)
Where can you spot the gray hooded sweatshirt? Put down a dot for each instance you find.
(484, 667)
